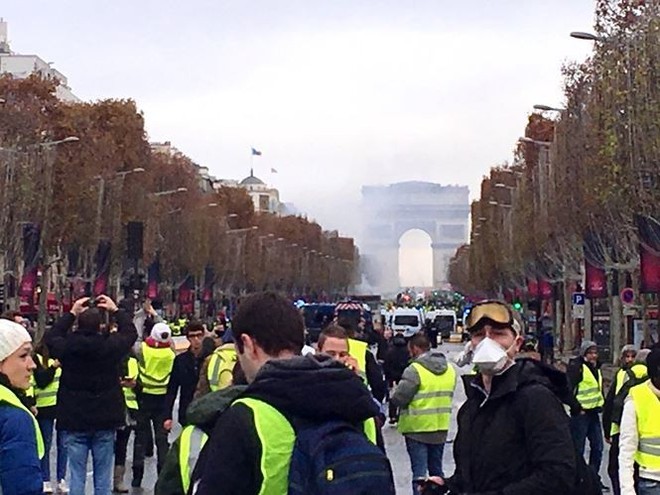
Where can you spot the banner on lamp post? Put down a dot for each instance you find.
(102, 268)
(153, 278)
(649, 270)
(595, 281)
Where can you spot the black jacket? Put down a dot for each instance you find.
(185, 373)
(574, 372)
(517, 441)
(396, 359)
(44, 376)
(307, 388)
(90, 396)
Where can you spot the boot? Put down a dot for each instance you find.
(138, 472)
(118, 484)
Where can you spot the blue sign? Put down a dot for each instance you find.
(578, 298)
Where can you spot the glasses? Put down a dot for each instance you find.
(489, 312)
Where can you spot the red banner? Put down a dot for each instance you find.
(533, 288)
(650, 270)
(595, 281)
(545, 290)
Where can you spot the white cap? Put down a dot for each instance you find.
(161, 333)
(12, 337)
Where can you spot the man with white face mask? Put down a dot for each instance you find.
(513, 434)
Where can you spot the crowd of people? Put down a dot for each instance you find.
(259, 417)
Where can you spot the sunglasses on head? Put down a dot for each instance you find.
(493, 312)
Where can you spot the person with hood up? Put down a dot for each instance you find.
(639, 439)
(586, 381)
(242, 456)
(396, 361)
(513, 434)
(156, 360)
(21, 443)
(424, 396)
(632, 372)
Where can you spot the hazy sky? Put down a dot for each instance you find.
(335, 93)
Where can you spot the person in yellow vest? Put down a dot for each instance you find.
(129, 372)
(21, 443)
(46, 383)
(639, 437)
(632, 372)
(250, 449)
(156, 359)
(217, 369)
(369, 369)
(333, 342)
(424, 397)
(586, 381)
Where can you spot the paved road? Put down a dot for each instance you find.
(395, 446)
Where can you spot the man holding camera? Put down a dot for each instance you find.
(90, 399)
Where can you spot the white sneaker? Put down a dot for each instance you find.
(62, 487)
(48, 488)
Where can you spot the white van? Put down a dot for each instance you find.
(407, 319)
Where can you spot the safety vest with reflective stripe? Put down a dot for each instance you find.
(220, 367)
(155, 369)
(622, 376)
(590, 390)
(277, 439)
(10, 398)
(647, 410)
(129, 393)
(190, 444)
(47, 397)
(430, 408)
(358, 350)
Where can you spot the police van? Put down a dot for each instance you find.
(408, 320)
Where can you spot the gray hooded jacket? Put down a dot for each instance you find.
(434, 361)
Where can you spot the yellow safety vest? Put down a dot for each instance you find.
(10, 398)
(622, 376)
(358, 351)
(190, 444)
(47, 397)
(220, 367)
(129, 393)
(590, 390)
(277, 439)
(155, 369)
(430, 408)
(647, 410)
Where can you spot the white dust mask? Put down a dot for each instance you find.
(490, 357)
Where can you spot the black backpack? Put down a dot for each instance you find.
(336, 458)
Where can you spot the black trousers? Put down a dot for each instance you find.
(121, 444)
(613, 465)
(151, 414)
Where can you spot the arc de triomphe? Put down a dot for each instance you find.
(390, 211)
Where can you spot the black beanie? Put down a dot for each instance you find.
(653, 364)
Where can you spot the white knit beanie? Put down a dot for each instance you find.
(12, 337)
(161, 333)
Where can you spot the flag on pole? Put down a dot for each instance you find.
(256, 152)
(273, 171)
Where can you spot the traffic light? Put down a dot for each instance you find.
(517, 306)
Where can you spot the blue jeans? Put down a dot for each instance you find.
(101, 444)
(648, 487)
(425, 458)
(585, 426)
(46, 426)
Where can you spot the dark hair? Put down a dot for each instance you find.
(193, 326)
(331, 331)
(420, 341)
(653, 364)
(272, 321)
(10, 315)
(90, 320)
(348, 324)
